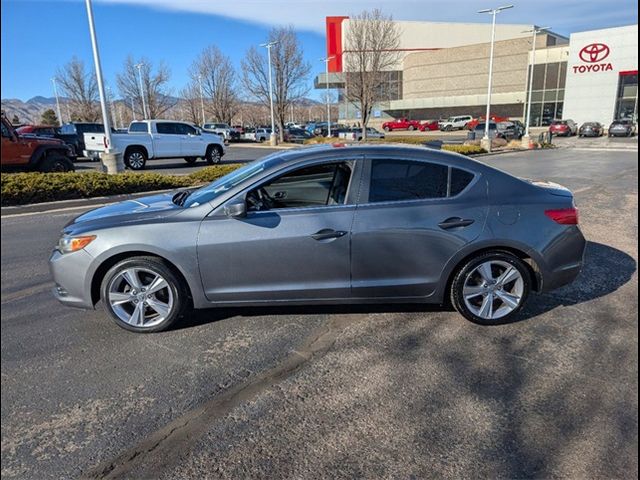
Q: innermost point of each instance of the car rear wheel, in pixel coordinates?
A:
(143, 294)
(56, 163)
(448, 128)
(135, 159)
(491, 288)
(387, 129)
(411, 128)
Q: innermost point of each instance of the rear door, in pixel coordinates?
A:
(413, 216)
(191, 142)
(167, 140)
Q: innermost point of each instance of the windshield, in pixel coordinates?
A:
(226, 183)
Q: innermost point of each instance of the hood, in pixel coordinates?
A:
(149, 208)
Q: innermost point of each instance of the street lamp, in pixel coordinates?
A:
(493, 12)
(535, 31)
(55, 91)
(272, 137)
(111, 108)
(111, 158)
(326, 79)
(144, 103)
(201, 99)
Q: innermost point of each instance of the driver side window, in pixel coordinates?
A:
(315, 186)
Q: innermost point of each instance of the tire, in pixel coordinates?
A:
(387, 129)
(56, 163)
(214, 154)
(261, 140)
(135, 158)
(411, 128)
(479, 307)
(191, 160)
(160, 308)
(448, 128)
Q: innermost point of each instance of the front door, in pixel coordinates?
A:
(415, 215)
(293, 244)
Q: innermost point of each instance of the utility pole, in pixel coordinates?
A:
(526, 139)
(493, 12)
(112, 110)
(326, 79)
(111, 159)
(133, 110)
(272, 137)
(144, 103)
(201, 100)
(55, 91)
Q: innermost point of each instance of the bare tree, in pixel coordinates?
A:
(371, 52)
(218, 77)
(156, 92)
(290, 73)
(81, 88)
(190, 103)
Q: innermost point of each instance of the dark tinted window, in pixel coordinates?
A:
(459, 180)
(68, 129)
(168, 128)
(406, 180)
(90, 128)
(314, 186)
(139, 127)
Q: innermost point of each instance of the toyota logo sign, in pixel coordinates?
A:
(594, 53)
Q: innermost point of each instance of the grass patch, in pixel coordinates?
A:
(35, 187)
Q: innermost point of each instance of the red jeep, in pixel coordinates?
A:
(401, 124)
(33, 153)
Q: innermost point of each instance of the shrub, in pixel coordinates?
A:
(34, 187)
(464, 149)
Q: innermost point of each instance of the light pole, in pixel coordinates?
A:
(55, 91)
(493, 11)
(201, 99)
(144, 103)
(326, 79)
(526, 139)
(272, 137)
(133, 110)
(111, 109)
(111, 159)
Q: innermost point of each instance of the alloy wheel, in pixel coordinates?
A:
(136, 160)
(140, 297)
(493, 289)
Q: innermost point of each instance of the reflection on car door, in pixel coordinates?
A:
(298, 249)
(411, 221)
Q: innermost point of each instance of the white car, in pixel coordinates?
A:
(262, 134)
(154, 139)
(455, 123)
(218, 128)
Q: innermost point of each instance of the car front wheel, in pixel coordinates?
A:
(214, 155)
(143, 294)
(491, 288)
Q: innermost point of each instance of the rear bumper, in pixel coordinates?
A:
(564, 260)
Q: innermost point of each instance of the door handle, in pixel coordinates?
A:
(455, 222)
(328, 234)
(279, 195)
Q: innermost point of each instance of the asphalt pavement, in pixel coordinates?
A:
(336, 392)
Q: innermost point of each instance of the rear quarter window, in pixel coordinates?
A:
(138, 127)
(396, 180)
(460, 179)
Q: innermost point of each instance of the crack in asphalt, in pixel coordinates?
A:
(163, 448)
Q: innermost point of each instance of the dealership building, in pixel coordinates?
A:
(442, 70)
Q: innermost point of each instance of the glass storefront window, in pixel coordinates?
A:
(627, 98)
(551, 82)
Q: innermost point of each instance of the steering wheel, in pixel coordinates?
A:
(260, 200)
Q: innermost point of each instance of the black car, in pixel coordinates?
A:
(73, 134)
(591, 129)
(622, 128)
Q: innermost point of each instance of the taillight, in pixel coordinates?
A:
(563, 216)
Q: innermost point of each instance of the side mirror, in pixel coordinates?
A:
(236, 208)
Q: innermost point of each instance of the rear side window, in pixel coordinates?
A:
(459, 181)
(138, 127)
(393, 180)
(168, 128)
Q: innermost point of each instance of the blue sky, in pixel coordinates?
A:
(38, 36)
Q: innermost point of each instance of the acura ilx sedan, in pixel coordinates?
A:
(326, 225)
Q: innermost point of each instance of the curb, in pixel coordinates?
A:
(263, 146)
(76, 203)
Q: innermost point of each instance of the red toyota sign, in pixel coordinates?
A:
(593, 55)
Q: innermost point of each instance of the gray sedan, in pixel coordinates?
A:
(326, 225)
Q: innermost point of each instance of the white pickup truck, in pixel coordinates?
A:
(153, 139)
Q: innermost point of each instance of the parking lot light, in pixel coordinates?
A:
(55, 91)
(326, 70)
(202, 100)
(144, 103)
(493, 12)
(272, 137)
(526, 139)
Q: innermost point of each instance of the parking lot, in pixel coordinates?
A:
(335, 392)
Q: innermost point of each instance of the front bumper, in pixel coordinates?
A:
(70, 272)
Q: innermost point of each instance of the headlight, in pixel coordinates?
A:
(72, 244)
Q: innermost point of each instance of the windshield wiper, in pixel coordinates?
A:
(180, 197)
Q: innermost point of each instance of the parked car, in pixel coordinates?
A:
(565, 128)
(355, 134)
(221, 129)
(33, 152)
(49, 131)
(519, 128)
(622, 128)
(296, 135)
(495, 118)
(73, 134)
(455, 123)
(401, 124)
(504, 130)
(429, 125)
(415, 225)
(154, 139)
(261, 135)
(591, 129)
